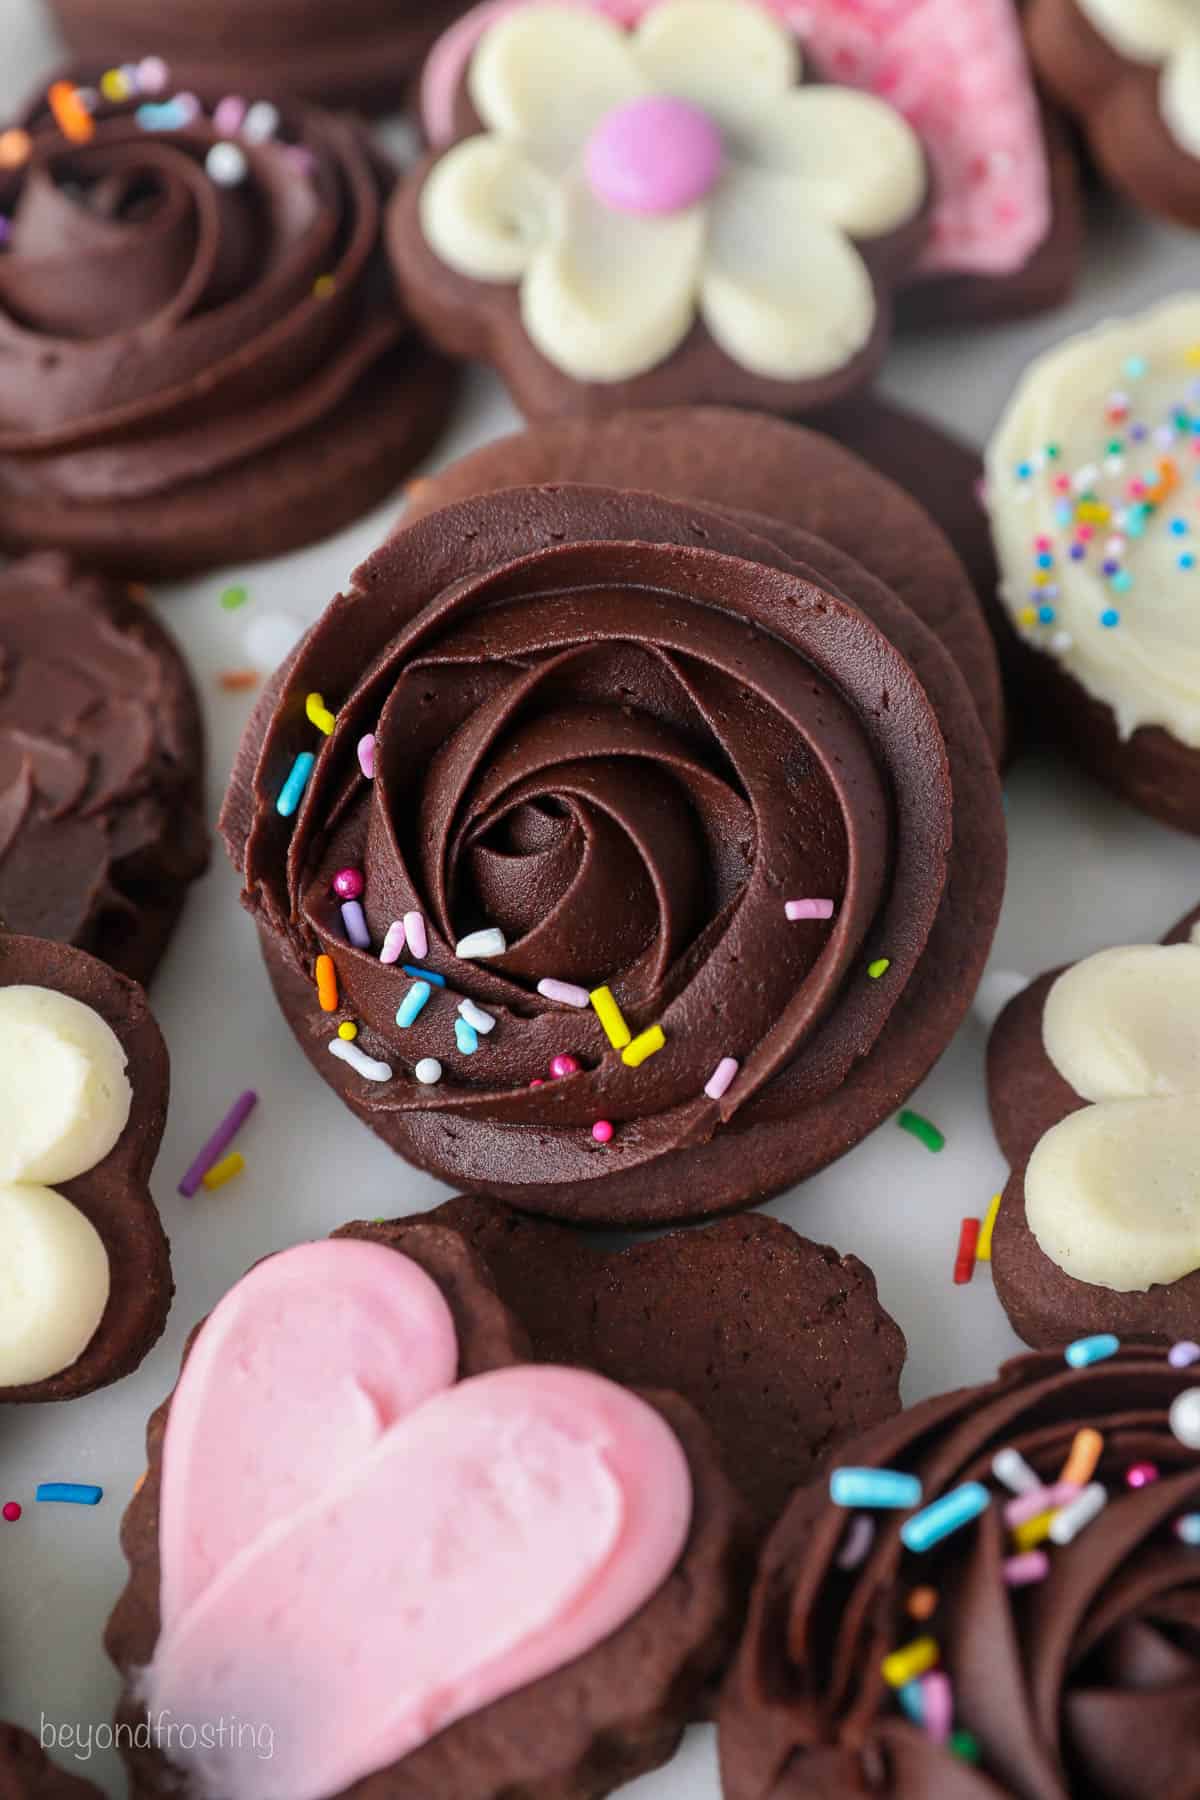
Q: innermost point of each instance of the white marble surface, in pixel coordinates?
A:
(1085, 872)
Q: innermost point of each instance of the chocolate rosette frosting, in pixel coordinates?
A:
(624, 733)
(198, 366)
(1081, 1685)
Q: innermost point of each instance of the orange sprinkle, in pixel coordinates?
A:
(236, 681)
(922, 1603)
(16, 147)
(1080, 1465)
(70, 114)
(140, 1483)
(327, 987)
(416, 490)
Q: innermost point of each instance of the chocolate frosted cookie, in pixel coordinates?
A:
(357, 53)
(85, 1272)
(626, 215)
(1129, 72)
(26, 1772)
(102, 826)
(356, 1463)
(202, 362)
(1089, 477)
(993, 1599)
(649, 857)
(1094, 1084)
(780, 1344)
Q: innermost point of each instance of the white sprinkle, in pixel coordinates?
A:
(226, 165)
(564, 991)
(1184, 1418)
(418, 937)
(366, 1066)
(428, 1071)
(1010, 1468)
(718, 1082)
(1085, 478)
(272, 637)
(1071, 1519)
(478, 945)
(997, 988)
(261, 122)
(393, 943)
(1061, 642)
(476, 1016)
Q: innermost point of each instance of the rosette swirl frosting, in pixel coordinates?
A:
(191, 321)
(625, 733)
(1083, 1684)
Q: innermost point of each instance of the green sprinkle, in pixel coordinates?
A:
(963, 1744)
(921, 1128)
(233, 597)
(879, 967)
(1053, 452)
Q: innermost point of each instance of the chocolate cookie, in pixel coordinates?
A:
(26, 1772)
(1077, 1275)
(1129, 72)
(359, 53)
(780, 1344)
(202, 361)
(102, 826)
(623, 217)
(1088, 479)
(692, 812)
(766, 467)
(85, 1274)
(369, 1401)
(950, 1654)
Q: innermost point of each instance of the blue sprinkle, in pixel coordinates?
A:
(424, 974)
(292, 791)
(1135, 367)
(165, 117)
(912, 1701)
(948, 1514)
(412, 1003)
(1187, 1528)
(1046, 615)
(74, 1493)
(874, 1488)
(1085, 1351)
(1110, 617)
(1122, 581)
(466, 1037)
(1187, 559)
(1045, 559)
(1179, 527)
(1024, 471)
(1064, 512)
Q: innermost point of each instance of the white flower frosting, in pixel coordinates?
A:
(1112, 1193)
(632, 180)
(1093, 480)
(1164, 33)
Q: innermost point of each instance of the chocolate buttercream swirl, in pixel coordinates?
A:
(158, 326)
(1084, 1685)
(625, 733)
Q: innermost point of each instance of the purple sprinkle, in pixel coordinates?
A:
(1023, 1571)
(366, 755)
(859, 1537)
(355, 921)
(228, 115)
(393, 943)
(219, 1142)
(1109, 566)
(187, 106)
(718, 1082)
(564, 991)
(1183, 1354)
(1039, 1500)
(1078, 552)
(5, 228)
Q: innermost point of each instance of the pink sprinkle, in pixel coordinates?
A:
(1062, 484)
(418, 937)
(1141, 1475)
(1039, 1500)
(152, 75)
(1043, 543)
(563, 1065)
(348, 884)
(718, 1082)
(366, 755)
(937, 1705)
(860, 1535)
(808, 909)
(187, 106)
(565, 991)
(537, 1082)
(393, 943)
(228, 114)
(602, 1131)
(11, 1511)
(1022, 1571)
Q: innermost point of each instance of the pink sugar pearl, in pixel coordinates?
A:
(348, 884)
(563, 1065)
(655, 155)
(602, 1131)
(12, 1511)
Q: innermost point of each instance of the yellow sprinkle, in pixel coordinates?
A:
(1192, 356)
(114, 85)
(922, 1603)
(611, 1017)
(1093, 512)
(323, 286)
(225, 1170)
(906, 1665)
(348, 1030)
(1043, 578)
(319, 714)
(646, 1043)
(879, 967)
(983, 1249)
(1080, 1465)
(1034, 1531)
(1027, 616)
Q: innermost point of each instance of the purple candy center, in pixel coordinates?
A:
(656, 155)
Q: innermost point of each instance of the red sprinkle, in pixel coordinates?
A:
(602, 1131)
(964, 1262)
(11, 1511)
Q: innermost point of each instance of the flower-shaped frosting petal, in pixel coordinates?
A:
(1165, 32)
